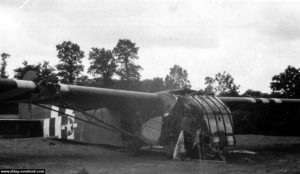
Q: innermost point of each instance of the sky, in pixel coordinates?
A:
(251, 40)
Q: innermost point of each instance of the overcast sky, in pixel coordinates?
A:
(251, 40)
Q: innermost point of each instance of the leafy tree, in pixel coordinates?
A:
(209, 82)
(84, 81)
(287, 83)
(4, 56)
(103, 65)
(126, 52)
(222, 85)
(70, 61)
(47, 72)
(43, 71)
(153, 85)
(177, 78)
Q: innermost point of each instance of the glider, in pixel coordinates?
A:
(183, 121)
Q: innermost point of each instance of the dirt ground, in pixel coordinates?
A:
(275, 155)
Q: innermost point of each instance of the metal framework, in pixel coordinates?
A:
(218, 119)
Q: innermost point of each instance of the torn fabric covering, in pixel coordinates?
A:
(151, 130)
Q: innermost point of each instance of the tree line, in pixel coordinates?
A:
(109, 68)
(117, 68)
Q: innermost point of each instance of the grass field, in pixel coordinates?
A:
(275, 155)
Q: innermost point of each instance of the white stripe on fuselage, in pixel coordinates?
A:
(46, 127)
(25, 84)
(54, 111)
(277, 100)
(264, 100)
(252, 100)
